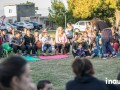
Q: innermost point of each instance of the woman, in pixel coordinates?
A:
(84, 80)
(30, 43)
(11, 36)
(61, 41)
(1, 49)
(4, 36)
(69, 32)
(15, 74)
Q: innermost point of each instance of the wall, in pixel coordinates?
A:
(25, 11)
(10, 11)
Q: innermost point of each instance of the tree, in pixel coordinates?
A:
(84, 8)
(70, 17)
(87, 9)
(57, 12)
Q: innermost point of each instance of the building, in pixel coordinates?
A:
(15, 12)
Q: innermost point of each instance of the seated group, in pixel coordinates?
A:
(29, 43)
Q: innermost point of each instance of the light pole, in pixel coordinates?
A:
(65, 20)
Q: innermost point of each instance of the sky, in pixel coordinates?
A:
(41, 4)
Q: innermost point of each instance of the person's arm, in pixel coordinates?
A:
(14, 43)
(22, 42)
(65, 38)
(57, 39)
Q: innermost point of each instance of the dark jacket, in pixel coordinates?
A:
(87, 82)
(100, 25)
(29, 40)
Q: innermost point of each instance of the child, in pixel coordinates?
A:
(116, 46)
(95, 51)
(80, 51)
(44, 85)
(46, 41)
(18, 43)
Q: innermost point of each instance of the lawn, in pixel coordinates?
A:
(59, 71)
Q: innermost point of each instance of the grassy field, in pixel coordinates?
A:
(59, 71)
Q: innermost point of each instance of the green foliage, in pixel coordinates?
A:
(118, 4)
(57, 12)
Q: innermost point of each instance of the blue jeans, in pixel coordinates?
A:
(105, 44)
(47, 46)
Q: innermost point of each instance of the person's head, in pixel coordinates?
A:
(36, 34)
(80, 45)
(118, 77)
(44, 85)
(28, 32)
(4, 32)
(18, 34)
(44, 32)
(15, 73)
(69, 25)
(94, 44)
(82, 67)
(25, 30)
(59, 31)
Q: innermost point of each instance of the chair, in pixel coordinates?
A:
(6, 49)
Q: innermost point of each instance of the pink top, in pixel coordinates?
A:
(62, 39)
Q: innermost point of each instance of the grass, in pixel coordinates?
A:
(59, 72)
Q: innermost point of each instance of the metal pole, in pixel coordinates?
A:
(65, 20)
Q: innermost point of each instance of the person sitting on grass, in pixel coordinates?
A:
(61, 41)
(18, 43)
(95, 52)
(30, 43)
(46, 41)
(1, 48)
(84, 80)
(44, 85)
(80, 51)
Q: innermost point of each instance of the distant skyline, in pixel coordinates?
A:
(41, 4)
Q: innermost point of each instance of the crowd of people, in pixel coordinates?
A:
(98, 40)
(15, 75)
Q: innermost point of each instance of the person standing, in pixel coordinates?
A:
(106, 36)
(69, 32)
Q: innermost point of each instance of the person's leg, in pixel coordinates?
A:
(104, 43)
(111, 48)
(1, 50)
(44, 48)
(22, 48)
(74, 54)
(67, 47)
(28, 47)
(34, 49)
(59, 48)
(49, 48)
(15, 48)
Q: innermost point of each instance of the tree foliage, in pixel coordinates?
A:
(86, 9)
(57, 12)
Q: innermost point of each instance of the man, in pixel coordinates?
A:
(18, 43)
(106, 36)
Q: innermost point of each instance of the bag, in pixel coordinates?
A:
(39, 44)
